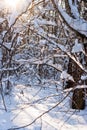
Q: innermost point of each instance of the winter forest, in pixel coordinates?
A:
(43, 64)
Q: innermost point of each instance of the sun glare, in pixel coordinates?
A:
(11, 3)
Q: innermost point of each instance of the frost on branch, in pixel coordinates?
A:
(79, 25)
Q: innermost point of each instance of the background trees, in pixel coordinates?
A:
(45, 38)
(43, 44)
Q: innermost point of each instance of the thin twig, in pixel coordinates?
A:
(40, 115)
(3, 97)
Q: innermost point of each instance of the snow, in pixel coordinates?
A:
(78, 47)
(19, 10)
(74, 9)
(79, 25)
(42, 42)
(76, 87)
(39, 22)
(66, 76)
(34, 104)
(12, 18)
(0, 53)
(8, 45)
(1, 20)
(84, 77)
(26, 103)
(81, 86)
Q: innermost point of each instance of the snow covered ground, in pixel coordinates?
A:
(40, 106)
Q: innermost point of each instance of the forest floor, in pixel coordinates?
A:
(41, 106)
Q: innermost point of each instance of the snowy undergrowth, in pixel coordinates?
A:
(27, 102)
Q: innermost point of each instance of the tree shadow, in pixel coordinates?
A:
(19, 114)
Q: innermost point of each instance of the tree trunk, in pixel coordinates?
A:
(78, 101)
(74, 70)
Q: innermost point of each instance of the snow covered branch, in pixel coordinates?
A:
(63, 49)
(74, 9)
(78, 25)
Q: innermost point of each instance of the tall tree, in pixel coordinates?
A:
(74, 17)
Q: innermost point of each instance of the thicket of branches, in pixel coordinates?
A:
(47, 38)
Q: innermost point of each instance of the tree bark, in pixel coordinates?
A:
(78, 101)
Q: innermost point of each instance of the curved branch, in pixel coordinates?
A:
(78, 25)
(74, 9)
